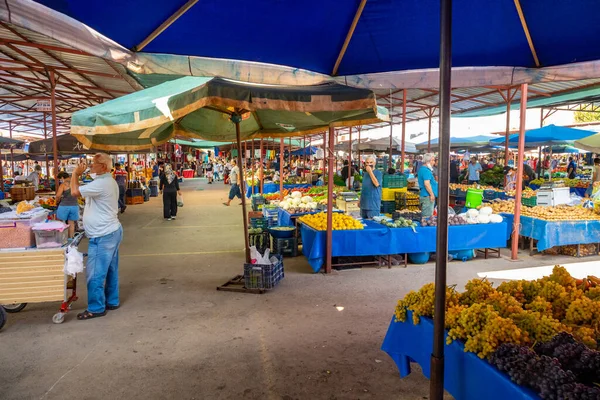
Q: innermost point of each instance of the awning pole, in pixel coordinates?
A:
(290, 154)
(429, 131)
(403, 129)
(236, 119)
(350, 160)
(519, 191)
(507, 134)
(252, 163)
(54, 139)
(12, 156)
(1, 174)
(358, 148)
(304, 158)
(436, 389)
(329, 242)
(390, 164)
(261, 173)
(46, 153)
(281, 169)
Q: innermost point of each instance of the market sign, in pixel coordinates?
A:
(43, 105)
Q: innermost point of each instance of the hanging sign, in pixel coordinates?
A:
(43, 105)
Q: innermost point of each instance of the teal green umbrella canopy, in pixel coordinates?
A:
(199, 107)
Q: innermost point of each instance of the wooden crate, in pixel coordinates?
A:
(22, 193)
(134, 200)
(32, 276)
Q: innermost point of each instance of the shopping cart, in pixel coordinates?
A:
(36, 276)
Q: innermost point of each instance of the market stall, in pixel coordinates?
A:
(377, 239)
(274, 188)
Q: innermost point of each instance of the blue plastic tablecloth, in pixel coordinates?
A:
(274, 187)
(377, 240)
(557, 233)
(578, 191)
(466, 376)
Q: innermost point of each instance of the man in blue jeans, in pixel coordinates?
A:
(428, 186)
(236, 179)
(105, 233)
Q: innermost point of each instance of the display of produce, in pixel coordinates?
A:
(410, 214)
(48, 203)
(340, 221)
(519, 312)
(24, 206)
(399, 223)
(255, 230)
(492, 177)
(547, 213)
(452, 220)
(297, 203)
(585, 250)
(546, 375)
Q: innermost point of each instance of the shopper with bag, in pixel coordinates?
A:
(169, 187)
(105, 233)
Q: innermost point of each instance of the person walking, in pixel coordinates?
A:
(370, 195)
(120, 176)
(235, 178)
(68, 208)
(169, 188)
(428, 186)
(105, 234)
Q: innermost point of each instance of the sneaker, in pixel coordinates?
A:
(167, 219)
(173, 217)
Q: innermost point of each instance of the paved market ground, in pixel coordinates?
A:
(176, 337)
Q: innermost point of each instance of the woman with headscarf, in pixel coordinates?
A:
(169, 187)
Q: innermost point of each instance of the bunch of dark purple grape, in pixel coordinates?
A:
(542, 374)
(573, 356)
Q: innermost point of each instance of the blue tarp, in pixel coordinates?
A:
(393, 35)
(557, 233)
(466, 376)
(274, 187)
(377, 239)
(543, 136)
(307, 151)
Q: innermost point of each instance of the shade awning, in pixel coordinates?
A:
(67, 144)
(470, 142)
(551, 134)
(199, 107)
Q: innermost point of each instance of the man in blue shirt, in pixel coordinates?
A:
(474, 170)
(571, 168)
(428, 186)
(370, 195)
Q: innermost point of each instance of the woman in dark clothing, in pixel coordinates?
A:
(169, 187)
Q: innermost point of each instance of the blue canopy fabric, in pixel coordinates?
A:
(562, 150)
(391, 35)
(550, 134)
(307, 151)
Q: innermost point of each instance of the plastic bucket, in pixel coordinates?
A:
(474, 198)
(418, 258)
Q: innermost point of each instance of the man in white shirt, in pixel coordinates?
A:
(105, 233)
(236, 179)
(34, 177)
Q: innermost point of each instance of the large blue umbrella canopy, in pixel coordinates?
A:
(307, 151)
(550, 134)
(390, 35)
(562, 150)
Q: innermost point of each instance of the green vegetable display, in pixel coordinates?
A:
(400, 223)
(492, 177)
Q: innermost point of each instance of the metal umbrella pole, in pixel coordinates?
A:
(236, 119)
(436, 389)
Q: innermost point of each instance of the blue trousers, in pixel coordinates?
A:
(103, 271)
(121, 196)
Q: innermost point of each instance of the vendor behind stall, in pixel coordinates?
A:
(370, 196)
(428, 186)
(511, 178)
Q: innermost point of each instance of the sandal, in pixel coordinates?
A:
(88, 315)
(225, 204)
(112, 308)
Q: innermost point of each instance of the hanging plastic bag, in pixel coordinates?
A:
(179, 200)
(73, 262)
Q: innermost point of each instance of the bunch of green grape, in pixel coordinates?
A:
(539, 327)
(561, 276)
(583, 312)
(551, 290)
(483, 330)
(476, 291)
(504, 304)
(522, 290)
(587, 335)
(421, 303)
(540, 305)
(593, 293)
(562, 303)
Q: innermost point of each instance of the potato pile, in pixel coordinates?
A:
(557, 213)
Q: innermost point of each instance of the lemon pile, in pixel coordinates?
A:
(340, 221)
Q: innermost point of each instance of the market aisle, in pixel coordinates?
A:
(177, 337)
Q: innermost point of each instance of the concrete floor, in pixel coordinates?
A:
(176, 337)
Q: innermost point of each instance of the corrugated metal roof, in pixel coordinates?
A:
(82, 80)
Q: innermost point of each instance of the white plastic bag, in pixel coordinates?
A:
(179, 200)
(73, 262)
